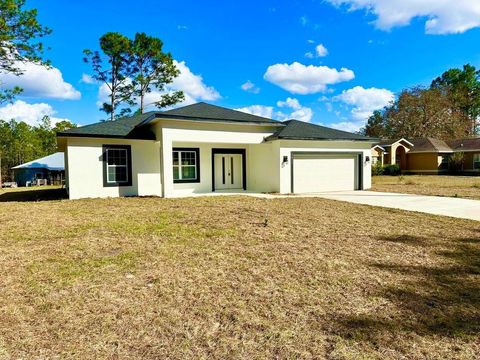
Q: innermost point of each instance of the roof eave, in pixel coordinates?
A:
(208, 120)
(316, 139)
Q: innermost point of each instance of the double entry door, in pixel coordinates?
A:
(228, 171)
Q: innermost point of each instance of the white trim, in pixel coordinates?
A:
(467, 151)
(180, 166)
(117, 166)
(401, 139)
(213, 121)
(380, 148)
(430, 152)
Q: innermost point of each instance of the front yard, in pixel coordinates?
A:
(438, 185)
(235, 277)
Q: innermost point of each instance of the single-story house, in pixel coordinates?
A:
(203, 148)
(392, 152)
(471, 153)
(427, 155)
(50, 169)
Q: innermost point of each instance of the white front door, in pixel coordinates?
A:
(228, 171)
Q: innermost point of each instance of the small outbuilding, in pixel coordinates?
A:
(48, 170)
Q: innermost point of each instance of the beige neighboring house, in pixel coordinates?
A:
(392, 152)
(203, 148)
(427, 155)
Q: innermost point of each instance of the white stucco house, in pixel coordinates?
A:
(202, 148)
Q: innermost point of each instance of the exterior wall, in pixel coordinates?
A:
(468, 162)
(85, 168)
(288, 146)
(65, 154)
(209, 136)
(427, 162)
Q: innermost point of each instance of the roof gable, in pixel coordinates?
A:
(300, 130)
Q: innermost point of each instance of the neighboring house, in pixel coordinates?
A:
(471, 153)
(427, 155)
(202, 148)
(394, 152)
(50, 168)
(378, 154)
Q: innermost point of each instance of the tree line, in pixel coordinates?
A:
(129, 68)
(447, 109)
(20, 142)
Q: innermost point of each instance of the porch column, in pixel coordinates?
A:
(167, 165)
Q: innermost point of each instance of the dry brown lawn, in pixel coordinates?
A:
(439, 185)
(235, 277)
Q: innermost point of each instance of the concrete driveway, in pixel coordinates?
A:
(455, 207)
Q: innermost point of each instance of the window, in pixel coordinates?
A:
(476, 161)
(375, 159)
(186, 165)
(117, 165)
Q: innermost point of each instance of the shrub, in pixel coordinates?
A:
(392, 170)
(377, 169)
(455, 163)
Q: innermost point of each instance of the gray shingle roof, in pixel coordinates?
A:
(204, 111)
(132, 126)
(300, 130)
(121, 128)
(135, 127)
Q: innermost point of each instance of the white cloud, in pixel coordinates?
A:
(309, 55)
(303, 20)
(365, 101)
(350, 126)
(40, 81)
(298, 112)
(310, 41)
(191, 84)
(258, 110)
(29, 113)
(250, 87)
(441, 16)
(87, 79)
(321, 50)
(301, 79)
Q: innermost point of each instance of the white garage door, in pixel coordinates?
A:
(319, 173)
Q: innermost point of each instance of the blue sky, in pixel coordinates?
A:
(370, 50)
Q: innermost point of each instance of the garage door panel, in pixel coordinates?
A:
(320, 173)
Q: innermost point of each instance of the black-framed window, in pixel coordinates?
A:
(476, 161)
(117, 165)
(186, 165)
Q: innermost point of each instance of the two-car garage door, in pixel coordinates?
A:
(316, 172)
